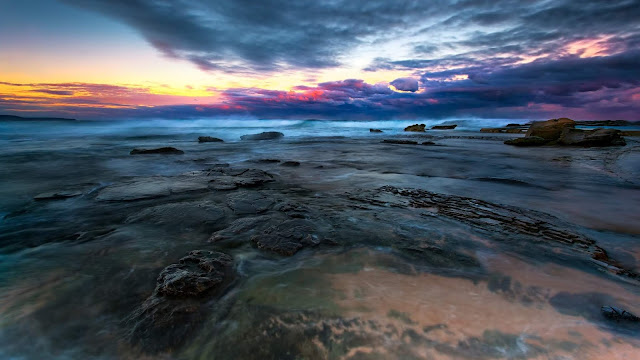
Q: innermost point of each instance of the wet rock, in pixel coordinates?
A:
(492, 130)
(527, 141)
(249, 203)
(291, 163)
(515, 125)
(551, 129)
(287, 238)
(163, 150)
(428, 143)
(194, 275)
(444, 127)
(617, 314)
(416, 128)
(587, 138)
(240, 226)
(268, 135)
(226, 178)
(630, 133)
(57, 195)
(401, 142)
(496, 218)
(178, 303)
(292, 209)
(206, 139)
(182, 215)
(135, 190)
(606, 123)
(505, 130)
(375, 130)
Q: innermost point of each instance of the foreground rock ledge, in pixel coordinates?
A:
(177, 304)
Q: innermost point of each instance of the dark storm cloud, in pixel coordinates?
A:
(276, 34)
(266, 35)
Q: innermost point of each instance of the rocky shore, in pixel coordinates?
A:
(327, 248)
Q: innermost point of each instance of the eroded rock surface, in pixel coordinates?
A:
(288, 237)
(176, 306)
(497, 219)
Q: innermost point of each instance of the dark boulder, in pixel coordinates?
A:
(287, 238)
(416, 128)
(550, 129)
(375, 130)
(163, 150)
(205, 139)
(443, 127)
(268, 135)
(179, 301)
(527, 141)
(402, 142)
(597, 137)
(630, 133)
(428, 143)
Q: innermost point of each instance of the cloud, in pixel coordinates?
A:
(230, 35)
(406, 84)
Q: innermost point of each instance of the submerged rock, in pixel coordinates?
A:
(240, 226)
(267, 161)
(375, 130)
(151, 187)
(57, 195)
(291, 163)
(268, 135)
(231, 178)
(444, 127)
(551, 129)
(287, 238)
(527, 141)
(163, 150)
(597, 137)
(402, 142)
(416, 128)
(205, 139)
(249, 203)
(177, 304)
(614, 313)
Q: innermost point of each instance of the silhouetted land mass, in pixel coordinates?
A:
(21, 118)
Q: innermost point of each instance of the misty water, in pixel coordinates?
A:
(466, 249)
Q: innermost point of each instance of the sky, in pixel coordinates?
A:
(331, 59)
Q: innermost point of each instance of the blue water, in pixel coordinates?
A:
(229, 130)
